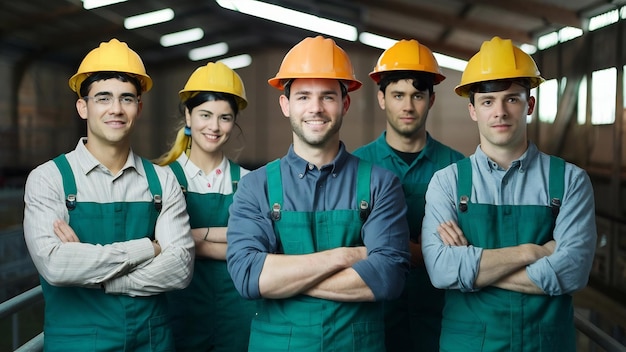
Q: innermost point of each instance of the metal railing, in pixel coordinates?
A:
(19, 302)
(35, 295)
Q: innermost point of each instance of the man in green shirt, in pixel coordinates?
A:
(406, 74)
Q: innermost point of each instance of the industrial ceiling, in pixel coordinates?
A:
(63, 31)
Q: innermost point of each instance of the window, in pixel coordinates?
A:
(582, 101)
(548, 98)
(603, 92)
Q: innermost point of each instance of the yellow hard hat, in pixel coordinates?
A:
(407, 55)
(215, 77)
(498, 59)
(316, 58)
(112, 56)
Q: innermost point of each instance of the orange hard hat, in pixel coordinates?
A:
(407, 55)
(113, 56)
(316, 58)
(498, 59)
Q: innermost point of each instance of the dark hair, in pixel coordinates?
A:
(104, 75)
(287, 88)
(203, 97)
(421, 80)
(497, 85)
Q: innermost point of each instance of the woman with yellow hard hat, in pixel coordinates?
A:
(209, 314)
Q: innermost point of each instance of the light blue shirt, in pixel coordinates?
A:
(524, 183)
(306, 188)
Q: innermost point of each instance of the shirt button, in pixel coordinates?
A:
(311, 166)
(301, 175)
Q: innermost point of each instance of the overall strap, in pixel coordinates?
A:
(464, 182)
(69, 182)
(274, 188)
(235, 174)
(363, 182)
(556, 186)
(177, 168)
(153, 184)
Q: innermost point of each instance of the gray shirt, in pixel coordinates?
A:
(128, 268)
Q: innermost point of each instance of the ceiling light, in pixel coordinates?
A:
(291, 17)
(92, 4)
(450, 62)
(380, 42)
(208, 51)
(376, 41)
(149, 18)
(528, 48)
(187, 36)
(239, 61)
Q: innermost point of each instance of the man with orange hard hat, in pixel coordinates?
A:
(107, 230)
(319, 235)
(406, 74)
(510, 231)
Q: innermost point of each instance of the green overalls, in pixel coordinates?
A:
(494, 319)
(413, 320)
(210, 315)
(86, 319)
(303, 323)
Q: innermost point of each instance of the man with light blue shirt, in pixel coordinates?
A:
(510, 231)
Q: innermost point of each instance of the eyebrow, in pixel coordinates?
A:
(111, 94)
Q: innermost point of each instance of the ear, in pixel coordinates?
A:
(472, 111)
(187, 117)
(346, 104)
(139, 108)
(531, 105)
(284, 104)
(381, 99)
(431, 101)
(81, 107)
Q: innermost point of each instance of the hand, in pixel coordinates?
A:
(451, 234)
(64, 232)
(549, 247)
(157, 247)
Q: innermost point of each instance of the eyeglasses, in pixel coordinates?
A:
(106, 100)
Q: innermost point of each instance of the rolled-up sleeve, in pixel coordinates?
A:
(567, 269)
(386, 236)
(449, 267)
(250, 234)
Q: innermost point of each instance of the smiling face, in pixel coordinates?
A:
(501, 119)
(315, 109)
(406, 109)
(211, 125)
(109, 121)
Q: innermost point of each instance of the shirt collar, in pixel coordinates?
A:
(520, 163)
(88, 162)
(301, 166)
(191, 170)
(428, 151)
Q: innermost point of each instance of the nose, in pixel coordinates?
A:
(316, 105)
(500, 109)
(213, 123)
(116, 106)
(407, 104)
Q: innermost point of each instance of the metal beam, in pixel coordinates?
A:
(549, 13)
(456, 22)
